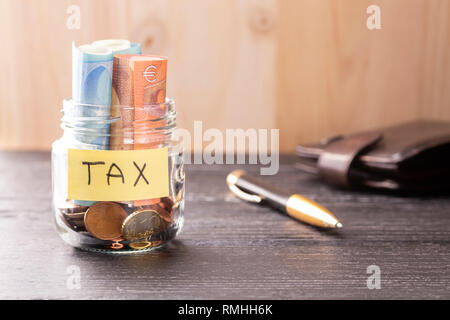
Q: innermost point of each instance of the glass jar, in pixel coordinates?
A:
(118, 181)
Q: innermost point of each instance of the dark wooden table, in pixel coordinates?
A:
(230, 249)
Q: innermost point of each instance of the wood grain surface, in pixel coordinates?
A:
(230, 249)
(310, 68)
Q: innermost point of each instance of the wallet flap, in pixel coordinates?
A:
(405, 141)
(336, 158)
(399, 143)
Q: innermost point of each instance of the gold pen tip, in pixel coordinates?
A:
(338, 225)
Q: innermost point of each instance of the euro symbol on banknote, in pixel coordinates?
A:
(150, 73)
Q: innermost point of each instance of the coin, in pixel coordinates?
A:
(75, 221)
(104, 220)
(167, 203)
(156, 243)
(142, 224)
(165, 214)
(140, 245)
(73, 215)
(116, 244)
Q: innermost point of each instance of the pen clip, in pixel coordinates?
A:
(231, 182)
(243, 195)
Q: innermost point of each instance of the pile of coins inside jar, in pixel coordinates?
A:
(120, 224)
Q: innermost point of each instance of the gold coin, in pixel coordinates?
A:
(140, 245)
(104, 220)
(142, 224)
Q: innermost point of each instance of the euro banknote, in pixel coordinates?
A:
(89, 111)
(139, 83)
(139, 86)
(92, 84)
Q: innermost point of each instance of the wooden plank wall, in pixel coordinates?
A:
(310, 68)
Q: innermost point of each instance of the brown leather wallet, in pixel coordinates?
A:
(413, 156)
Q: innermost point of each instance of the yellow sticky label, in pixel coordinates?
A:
(118, 175)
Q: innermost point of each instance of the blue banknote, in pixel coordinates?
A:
(91, 75)
(87, 116)
(91, 87)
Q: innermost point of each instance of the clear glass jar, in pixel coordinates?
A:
(117, 224)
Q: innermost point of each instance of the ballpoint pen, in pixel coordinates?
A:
(251, 189)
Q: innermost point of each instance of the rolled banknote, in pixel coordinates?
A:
(89, 111)
(121, 108)
(138, 89)
(91, 75)
(153, 84)
(92, 66)
(91, 93)
(92, 84)
(139, 86)
(121, 105)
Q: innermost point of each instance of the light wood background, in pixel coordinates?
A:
(310, 68)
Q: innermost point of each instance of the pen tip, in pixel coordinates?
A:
(338, 225)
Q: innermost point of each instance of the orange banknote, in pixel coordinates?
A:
(122, 106)
(139, 90)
